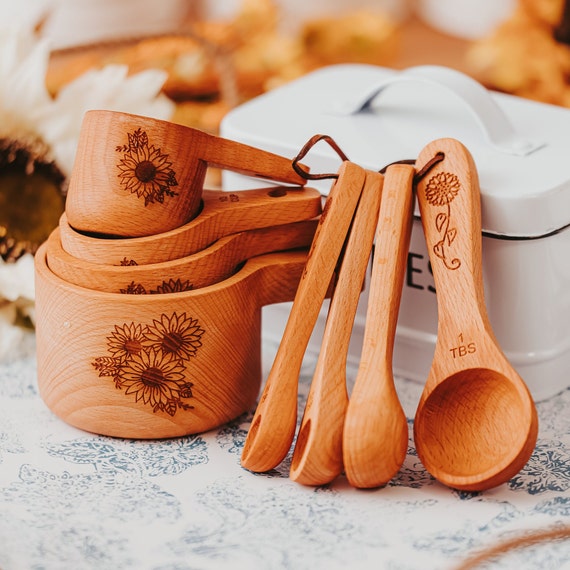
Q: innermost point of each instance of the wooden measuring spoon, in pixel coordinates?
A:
(317, 458)
(208, 266)
(375, 436)
(222, 214)
(274, 422)
(476, 423)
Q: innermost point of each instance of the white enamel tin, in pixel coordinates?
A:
(521, 149)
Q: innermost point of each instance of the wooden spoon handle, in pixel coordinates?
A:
(449, 202)
(388, 267)
(274, 422)
(317, 458)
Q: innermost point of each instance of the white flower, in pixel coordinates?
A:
(45, 129)
(109, 88)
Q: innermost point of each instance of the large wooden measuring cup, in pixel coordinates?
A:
(476, 423)
(154, 366)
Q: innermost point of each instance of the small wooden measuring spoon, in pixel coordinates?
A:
(274, 422)
(375, 436)
(476, 423)
(317, 458)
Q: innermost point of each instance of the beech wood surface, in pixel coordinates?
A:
(317, 458)
(137, 176)
(476, 423)
(80, 331)
(201, 269)
(375, 435)
(222, 214)
(273, 426)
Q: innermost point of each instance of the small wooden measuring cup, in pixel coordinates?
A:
(476, 424)
(155, 366)
(137, 176)
(208, 266)
(222, 214)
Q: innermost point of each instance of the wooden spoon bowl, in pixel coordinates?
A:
(467, 408)
(476, 423)
(222, 214)
(155, 366)
(137, 176)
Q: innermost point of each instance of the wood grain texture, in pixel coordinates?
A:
(222, 214)
(273, 426)
(137, 176)
(206, 267)
(317, 458)
(375, 436)
(155, 366)
(476, 423)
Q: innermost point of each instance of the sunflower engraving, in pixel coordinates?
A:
(172, 286)
(176, 334)
(126, 341)
(133, 289)
(145, 170)
(440, 191)
(157, 380)
(149, 361)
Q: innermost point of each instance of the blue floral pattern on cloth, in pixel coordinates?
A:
(74, 500)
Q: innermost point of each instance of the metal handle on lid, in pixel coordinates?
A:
(489, 115)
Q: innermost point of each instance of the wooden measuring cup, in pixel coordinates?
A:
(222, 214)
(137, 176)
(155, 366)
(208, 266)
(476, 423)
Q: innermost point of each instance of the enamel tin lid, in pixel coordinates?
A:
(378, 116)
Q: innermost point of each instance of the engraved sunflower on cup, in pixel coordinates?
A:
(178, 334)
(145, 170)
(126, 341)
(156, 379)
(440, 191)
(150, 362)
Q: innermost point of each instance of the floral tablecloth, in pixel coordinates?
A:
(70, 499)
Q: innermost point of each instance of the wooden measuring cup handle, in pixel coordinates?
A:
(245, 159)
(449, 202)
